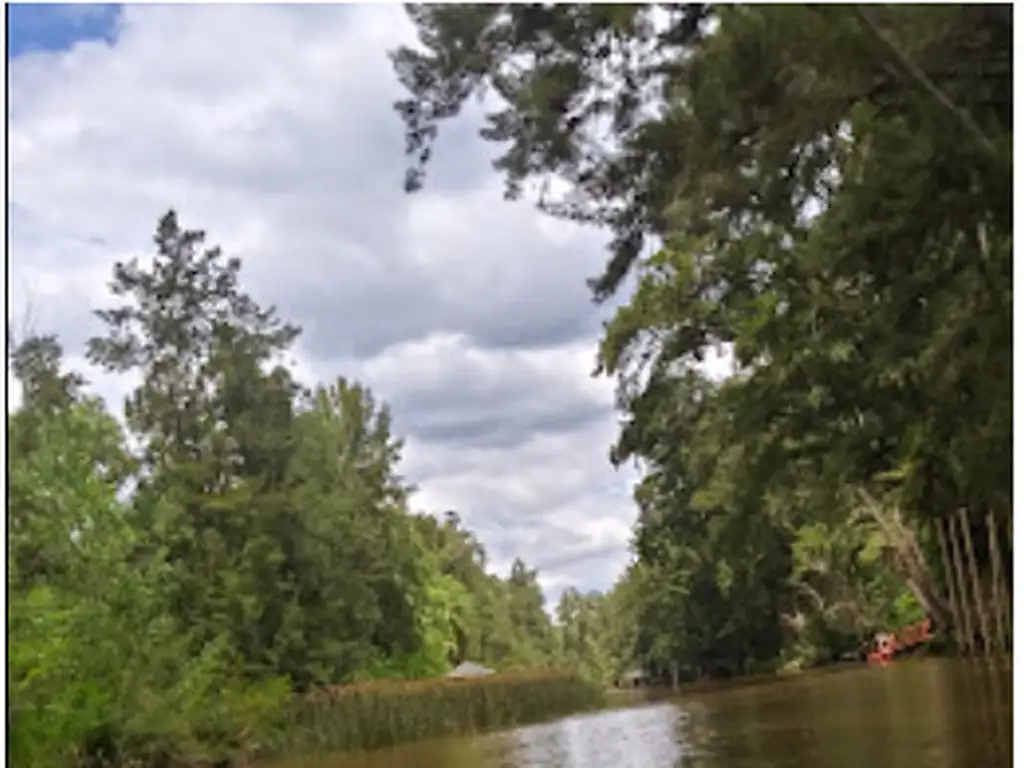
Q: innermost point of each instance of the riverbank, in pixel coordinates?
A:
(948, 710)
(619, 697)
(627, 697)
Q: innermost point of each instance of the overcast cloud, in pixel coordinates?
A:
(272, 129)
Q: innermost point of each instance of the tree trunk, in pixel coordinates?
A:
(910, 560)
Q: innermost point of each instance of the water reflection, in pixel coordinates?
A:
(632, 738)
(938, 714)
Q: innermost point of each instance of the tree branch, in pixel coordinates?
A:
(921, 77)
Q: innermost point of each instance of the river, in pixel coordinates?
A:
(932, 713)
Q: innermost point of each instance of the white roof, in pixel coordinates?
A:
(469, 669)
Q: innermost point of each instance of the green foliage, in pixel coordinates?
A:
(96, 668)
(54, 707)
(829, 194)
(174, 587)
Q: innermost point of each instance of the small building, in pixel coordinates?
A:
(469, 669)
(634, 678)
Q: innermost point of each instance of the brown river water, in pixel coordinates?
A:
(934, 713)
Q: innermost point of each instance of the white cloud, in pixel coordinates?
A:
(272, 128)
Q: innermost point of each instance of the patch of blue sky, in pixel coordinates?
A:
(58, 27)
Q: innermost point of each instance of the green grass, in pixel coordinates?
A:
(384, 713)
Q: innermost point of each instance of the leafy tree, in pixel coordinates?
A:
(202, 415)
(244, 539)
(353, 561)
(97, 669)
(44, 532)
(828, 195)
(531, 625)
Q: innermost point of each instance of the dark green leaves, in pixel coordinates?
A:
(829, 194)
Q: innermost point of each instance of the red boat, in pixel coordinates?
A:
(886, 645)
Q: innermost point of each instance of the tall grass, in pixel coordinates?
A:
(378, 714)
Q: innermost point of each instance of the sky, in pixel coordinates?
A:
(271, 128)
(57, 27)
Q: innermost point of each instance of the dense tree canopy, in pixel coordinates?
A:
(827, 190)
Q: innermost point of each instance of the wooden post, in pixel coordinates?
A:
(954, 602)
(972, 564)
(1009, 597)
(958, 565)
(998, 587)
